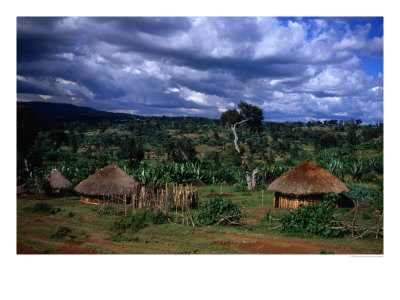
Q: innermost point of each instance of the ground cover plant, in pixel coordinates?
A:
(314, 219)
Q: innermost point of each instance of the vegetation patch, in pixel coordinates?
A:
(136, 222)
(62, 233)
(43, 208)
(326, 251)
(314, 219)
(218, 211)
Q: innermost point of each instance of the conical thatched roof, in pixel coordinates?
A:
(109, 181)
(307, 178)
(198, 182)
(58, 181)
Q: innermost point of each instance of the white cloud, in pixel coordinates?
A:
(45, 97)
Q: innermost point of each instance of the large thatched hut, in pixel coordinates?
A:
(304, 184)
(58, 182)
(109, 184)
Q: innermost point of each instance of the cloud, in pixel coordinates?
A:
(295, 68)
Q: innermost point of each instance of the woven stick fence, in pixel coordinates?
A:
(166, 197)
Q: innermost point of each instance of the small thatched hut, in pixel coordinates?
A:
(198, 182)
(21, 189)
(58, 182)
(304, 184)
(108, 184)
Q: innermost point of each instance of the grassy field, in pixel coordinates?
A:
(91, 233)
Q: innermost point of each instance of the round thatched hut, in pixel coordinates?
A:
(304, 184)
(198, 182)
(21, 189)
(58, 182)
(108, 184)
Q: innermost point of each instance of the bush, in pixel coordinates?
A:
(46, 187)
(326, 251)
(62, 232)
(359, 194)
(139, 220)
(215, 209)
(313, 218)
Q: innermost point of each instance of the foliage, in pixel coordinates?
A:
(62, 232)
(179, 150)
(326, 251)
(139, 220)
(81, 147)
(231, 116)
(215, 209)
(252, 113)
(133, 152)
(46, 187)
(313, 218)
(26, 128)
(359, 194)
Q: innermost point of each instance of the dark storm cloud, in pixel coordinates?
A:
(203, 66)
(152, 25)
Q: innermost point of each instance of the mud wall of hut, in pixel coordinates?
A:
(294, 201)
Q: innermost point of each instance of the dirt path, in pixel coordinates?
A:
(24, 249)
(274, 245)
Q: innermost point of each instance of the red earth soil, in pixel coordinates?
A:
(219, 195)
(271, 245)
(24, 249)
(34, 197)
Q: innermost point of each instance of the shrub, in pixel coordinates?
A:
(139, 220)
(62, 232)
(313, 218)
(359, 194)
(215, 209)
(70, 214)
(46, 187)
(326, 251)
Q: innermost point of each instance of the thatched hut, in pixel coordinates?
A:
(109, 184)
(304, 184)
(21, 189)
(198, 182)
(57, 181)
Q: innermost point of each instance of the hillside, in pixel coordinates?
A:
(66, 111)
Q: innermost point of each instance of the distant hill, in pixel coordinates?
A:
(46, 110)
(53, 115)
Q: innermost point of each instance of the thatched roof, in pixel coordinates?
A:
(21, 189)
(58, 181)
(198, 182)
(109, 181)
(307, 178)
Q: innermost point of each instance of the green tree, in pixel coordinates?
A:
(253, 116)
(180, 150)
(328, 140)
(26, 133)
(133, 152)
(58, 137)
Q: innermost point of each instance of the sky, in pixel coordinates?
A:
(295, 69)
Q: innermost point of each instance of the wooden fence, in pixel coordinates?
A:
(165, 198)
